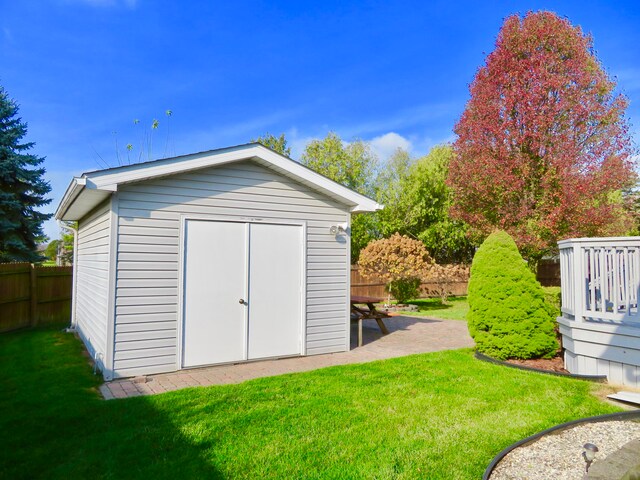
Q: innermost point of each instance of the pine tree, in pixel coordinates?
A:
(22, 188)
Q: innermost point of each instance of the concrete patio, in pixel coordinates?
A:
(408, 335)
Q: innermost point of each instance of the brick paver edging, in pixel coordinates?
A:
(408, 336)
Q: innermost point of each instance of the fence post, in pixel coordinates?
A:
(33, 290)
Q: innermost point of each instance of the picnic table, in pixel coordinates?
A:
(360, 312)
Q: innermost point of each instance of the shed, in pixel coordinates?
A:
(216, 257)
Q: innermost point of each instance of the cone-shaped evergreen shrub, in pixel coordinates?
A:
(508, 316)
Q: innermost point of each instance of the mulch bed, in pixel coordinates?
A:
(555, 364)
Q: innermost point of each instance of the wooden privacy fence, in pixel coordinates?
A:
(33, 295)
(374, 287)
(548, 275)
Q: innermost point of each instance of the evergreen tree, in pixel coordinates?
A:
(508, 316)
(22, 188)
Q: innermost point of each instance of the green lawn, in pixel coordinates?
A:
(457, 307)
(437, 416)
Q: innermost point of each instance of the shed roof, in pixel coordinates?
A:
(90, 189)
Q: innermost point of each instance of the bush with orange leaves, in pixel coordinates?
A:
(401, 262)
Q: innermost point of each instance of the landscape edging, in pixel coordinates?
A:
(590, 378)
(563, 426)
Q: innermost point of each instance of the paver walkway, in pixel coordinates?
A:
(408, 335)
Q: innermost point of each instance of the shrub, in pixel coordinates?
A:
(508, 315)
(401, 262)
(553, 297)
(404, 289)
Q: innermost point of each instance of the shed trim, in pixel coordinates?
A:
(180, 312)
(347, 266)
(181, 273)
(86, 191)
(109, 365)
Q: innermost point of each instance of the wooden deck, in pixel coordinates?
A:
(600, 322)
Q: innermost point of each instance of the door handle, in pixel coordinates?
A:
(242, 302)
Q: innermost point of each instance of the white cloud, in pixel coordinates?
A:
(405, 118)
(298, 145)
(422, 145)
(298, 142)
(385, 145)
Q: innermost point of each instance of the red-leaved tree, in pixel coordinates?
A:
(543, 147)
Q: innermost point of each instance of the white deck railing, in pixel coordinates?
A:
(600, 278)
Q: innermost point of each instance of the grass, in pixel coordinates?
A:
(457, 307)
(439, 416)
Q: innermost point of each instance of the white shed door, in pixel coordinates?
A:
(275, 288)
(214, 282)
(226, 262)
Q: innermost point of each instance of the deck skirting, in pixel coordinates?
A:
(599, 348)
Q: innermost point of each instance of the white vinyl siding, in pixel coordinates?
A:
(92, 269)
(149, 213)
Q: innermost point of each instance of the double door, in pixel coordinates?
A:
(242, 291)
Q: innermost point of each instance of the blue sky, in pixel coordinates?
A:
(393, 73)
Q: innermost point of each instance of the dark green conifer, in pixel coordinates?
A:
(22, 188)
